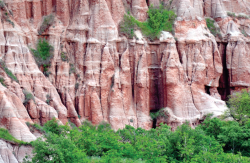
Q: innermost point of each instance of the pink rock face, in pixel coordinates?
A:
(107, 77)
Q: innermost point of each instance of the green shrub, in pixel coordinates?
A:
(76, 86)
(214, 30)
(2, 4)
(128, 25)
(159, 19)
(47, 21)
(8, 72)
(239, 107)
(28, 96)
(48, 99)
(2, 82)
(72, 68)
(158, 114)
(232, 14)
(64, 57)
(243, 16)
(43, 54)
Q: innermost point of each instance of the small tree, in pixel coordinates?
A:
(43, 54)
(238, 107)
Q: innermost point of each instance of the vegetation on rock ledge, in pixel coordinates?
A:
(5, 135)
(159, 19)
(43, 54)
(8, 72)
(214, 30)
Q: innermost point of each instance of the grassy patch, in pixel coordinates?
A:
(28, 96)
(244, 32)
(8, 72)
(2, 82)
(5, 135)
(214, 30)
(232, 14)
(47, 21)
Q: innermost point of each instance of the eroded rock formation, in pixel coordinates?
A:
(107, 77)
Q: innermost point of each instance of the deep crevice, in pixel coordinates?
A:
(224, 87)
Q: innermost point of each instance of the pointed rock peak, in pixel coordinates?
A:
(218, 9)
(102, 26)
(187, 10)
(232, 29)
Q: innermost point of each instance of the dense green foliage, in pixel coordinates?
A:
(128, 25)
(213, 141)
(159, 19)
(214, 30)
(5, 135)
(43, 54)
(239, 107)
(8, 72)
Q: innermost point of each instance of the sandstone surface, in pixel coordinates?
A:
(108, 77)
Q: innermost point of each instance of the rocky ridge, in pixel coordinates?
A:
(108, 77)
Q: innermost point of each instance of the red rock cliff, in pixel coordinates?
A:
(111, 78)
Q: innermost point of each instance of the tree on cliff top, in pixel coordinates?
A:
(159, 19)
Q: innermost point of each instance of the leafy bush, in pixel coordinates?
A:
(128, 25)
(72, 68)
(158, 114)
(214, 30)
(64, 57)
(159, 19)
(2, 82)
(239, 107)
(48, 99)
(28, 96)
(8, 72)
(47, 21)
(43, 52)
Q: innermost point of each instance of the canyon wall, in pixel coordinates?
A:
(108, 77)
